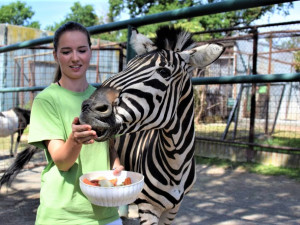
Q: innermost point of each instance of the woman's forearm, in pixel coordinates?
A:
(64, 154)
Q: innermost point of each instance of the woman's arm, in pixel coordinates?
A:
(114, 158)
(65, 153)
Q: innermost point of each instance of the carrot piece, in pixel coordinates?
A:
(86, 181)
(127, 181)
(114, 181)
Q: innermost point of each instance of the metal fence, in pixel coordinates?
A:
(35, 68)
(261, 116)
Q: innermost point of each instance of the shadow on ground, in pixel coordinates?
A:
(219, 197)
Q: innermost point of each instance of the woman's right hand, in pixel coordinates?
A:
(82, 134)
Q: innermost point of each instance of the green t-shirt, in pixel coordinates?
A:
(61, 200)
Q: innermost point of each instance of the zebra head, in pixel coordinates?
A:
(146, 94)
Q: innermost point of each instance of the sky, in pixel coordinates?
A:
(47, 12)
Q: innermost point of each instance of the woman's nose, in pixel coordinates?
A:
(74, 56)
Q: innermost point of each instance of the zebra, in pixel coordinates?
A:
(14, 120)
(148, 110)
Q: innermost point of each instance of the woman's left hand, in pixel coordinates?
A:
(118, 169)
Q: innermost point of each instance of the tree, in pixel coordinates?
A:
(82, 14)
(297, 61)
(17, 13)
(86, 16)
(141, 7)
(210, 22)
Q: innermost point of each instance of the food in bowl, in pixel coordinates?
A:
(103, 182)
(111, 189)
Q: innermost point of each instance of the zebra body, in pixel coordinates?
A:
(9, 123)
(12, 121)
(150, 104)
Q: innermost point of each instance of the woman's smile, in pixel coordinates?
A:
(75, 68)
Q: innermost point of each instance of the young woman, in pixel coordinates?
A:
(70, 148)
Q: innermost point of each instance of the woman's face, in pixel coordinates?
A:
(73, 54)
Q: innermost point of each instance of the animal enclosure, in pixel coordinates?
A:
(223, 112)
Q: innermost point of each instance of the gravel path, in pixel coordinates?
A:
(219, 197)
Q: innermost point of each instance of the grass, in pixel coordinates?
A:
(293, 173)
(5, 142)
(285, 138)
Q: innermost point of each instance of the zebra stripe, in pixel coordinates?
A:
(154, 114)
(161, 140)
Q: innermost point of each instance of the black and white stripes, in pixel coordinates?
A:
(154, 119)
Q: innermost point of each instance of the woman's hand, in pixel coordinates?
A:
(118, 169)
(65, 153)
(82, 134)
(114, 159)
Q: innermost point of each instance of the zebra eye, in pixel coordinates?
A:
(164, 72)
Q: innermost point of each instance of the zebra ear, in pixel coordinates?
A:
(202, 56)
(140, 43)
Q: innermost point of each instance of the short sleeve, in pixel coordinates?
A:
(45, 123)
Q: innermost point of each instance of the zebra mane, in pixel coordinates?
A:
(174, 39)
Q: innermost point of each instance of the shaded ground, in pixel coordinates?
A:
(219, 197)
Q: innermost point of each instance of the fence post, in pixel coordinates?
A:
(250, 152)
(130, 52)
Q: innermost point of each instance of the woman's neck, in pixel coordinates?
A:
(73, 85)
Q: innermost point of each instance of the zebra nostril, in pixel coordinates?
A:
(104, 109)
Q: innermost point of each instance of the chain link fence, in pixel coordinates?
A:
(223, 113)
(35, 68)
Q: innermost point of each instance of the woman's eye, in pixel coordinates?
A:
(82, 51)
(65, 53)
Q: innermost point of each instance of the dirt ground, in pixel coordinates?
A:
(219, 197)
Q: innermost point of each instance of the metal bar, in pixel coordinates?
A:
(278, 108)
(265, 78)
(285, 77)
(246, 27)
(286, 148)
(250, 151)
(232, 113)
(130, 51)
(195, 11)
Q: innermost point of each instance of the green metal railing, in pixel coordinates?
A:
(267, 78)
(195, 11)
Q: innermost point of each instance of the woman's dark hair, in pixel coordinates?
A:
(69, 26)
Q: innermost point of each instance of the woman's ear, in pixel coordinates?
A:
(55, 56)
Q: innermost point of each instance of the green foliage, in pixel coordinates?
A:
(297, 61)
(82, 14)
(17, 13)
(210, 22)
(141, 7)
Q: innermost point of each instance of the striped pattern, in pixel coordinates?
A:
(155, 110)
(150, 104)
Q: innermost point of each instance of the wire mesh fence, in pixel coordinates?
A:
(222, 112)
(226, 113)
(36, 67)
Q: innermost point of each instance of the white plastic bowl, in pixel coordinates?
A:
(112, 196)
